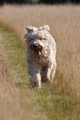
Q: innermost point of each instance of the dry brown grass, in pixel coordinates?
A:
(64, 22)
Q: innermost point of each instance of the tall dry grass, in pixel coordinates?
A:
(8, 104)
(64, 22)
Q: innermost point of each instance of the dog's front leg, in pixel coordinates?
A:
(38, 80)
(35, 79)
(35, 76)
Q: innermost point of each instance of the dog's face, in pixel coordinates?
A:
(37, 38)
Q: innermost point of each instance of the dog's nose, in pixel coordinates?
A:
(35, 45)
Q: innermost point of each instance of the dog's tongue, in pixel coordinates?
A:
(39, 52)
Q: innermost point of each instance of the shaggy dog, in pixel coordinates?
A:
(41, 54)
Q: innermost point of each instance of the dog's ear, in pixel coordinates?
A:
(29, 28)
(25, 36)
(46, 27)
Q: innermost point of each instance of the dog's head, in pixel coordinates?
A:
(37, 38)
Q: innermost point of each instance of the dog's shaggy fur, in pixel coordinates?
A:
(41, 54)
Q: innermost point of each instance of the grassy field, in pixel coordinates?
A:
(60, 100)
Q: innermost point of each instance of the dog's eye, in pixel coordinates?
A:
(44, 39)
(31, 39)
(41, 38)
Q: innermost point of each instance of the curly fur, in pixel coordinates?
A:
(41, 54)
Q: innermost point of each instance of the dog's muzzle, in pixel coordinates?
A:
(37, 48)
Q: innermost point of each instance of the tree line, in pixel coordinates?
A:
(39, 1)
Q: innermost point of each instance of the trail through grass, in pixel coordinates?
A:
(51, 102)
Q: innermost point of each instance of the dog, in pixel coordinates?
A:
(40, 55)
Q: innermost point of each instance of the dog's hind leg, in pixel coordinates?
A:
(53, 73)
(46, 74)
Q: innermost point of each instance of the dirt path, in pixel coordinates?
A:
(10, 108)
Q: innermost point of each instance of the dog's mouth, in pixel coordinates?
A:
(36, 48)
(38, 51)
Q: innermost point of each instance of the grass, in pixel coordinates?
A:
(54, 101)
(60, 100)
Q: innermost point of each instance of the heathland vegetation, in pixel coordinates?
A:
(61, 100)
